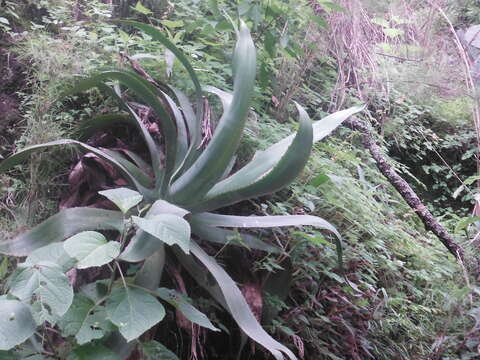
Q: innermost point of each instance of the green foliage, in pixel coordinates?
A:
(173, 193)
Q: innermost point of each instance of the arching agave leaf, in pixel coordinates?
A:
(227, 293)
(223, 236)
(225, 97)
(241, 185)
(23, 155)
(61, 226)
(149, 95)
(231, 221)
(211, 164)
(257, 181)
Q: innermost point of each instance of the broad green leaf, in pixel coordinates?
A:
(238, 307)
(54, 253)
(16, 323)
(255, 181)
(92, 351)
(133, 311)
(60, 226)
(211, 164)
(42, 313)
(171, 229)
(143, 245)
(91, 249)
(85, 321)
(164, 207)
(153, 350)
(124, 198)
(181, 304)
(47, 283)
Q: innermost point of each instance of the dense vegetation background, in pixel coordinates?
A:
(412, 62)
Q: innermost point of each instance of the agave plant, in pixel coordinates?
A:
(171, 196)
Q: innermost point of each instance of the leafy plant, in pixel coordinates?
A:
(172, 196)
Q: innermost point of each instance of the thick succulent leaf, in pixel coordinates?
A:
(141, 176)
(149, 95)
(124, 198)
(24, 154)
(152, 269)
(16, 323)
(104, 121)
(181, 304)
(242, 185)
(158, 36)
(98, 81)
(133, 311)
(223, 236)
(324, 127)
(225, 97)
(54, 253)
(213, 161)
(255, 181)
(91, 249)
(61, 226)
(196, 124)
(182, 132)
(47, 282)
(238, 307)
(168, 228)
(209, 219)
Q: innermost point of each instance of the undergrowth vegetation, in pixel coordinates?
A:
(398, 293)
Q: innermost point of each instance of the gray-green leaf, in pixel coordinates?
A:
(92, 351)
(134, 311)
(124, 198)
(153, 350)
(54, 253)
(16, 323)
(47, 282)
(91, 248)
(85, 321)
(170, 229)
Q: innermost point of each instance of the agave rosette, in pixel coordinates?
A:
(189, 181)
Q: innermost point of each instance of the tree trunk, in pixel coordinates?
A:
(405, 190)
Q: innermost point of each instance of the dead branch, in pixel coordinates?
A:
(405, 190)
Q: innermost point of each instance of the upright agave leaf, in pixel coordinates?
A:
(211, 164)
